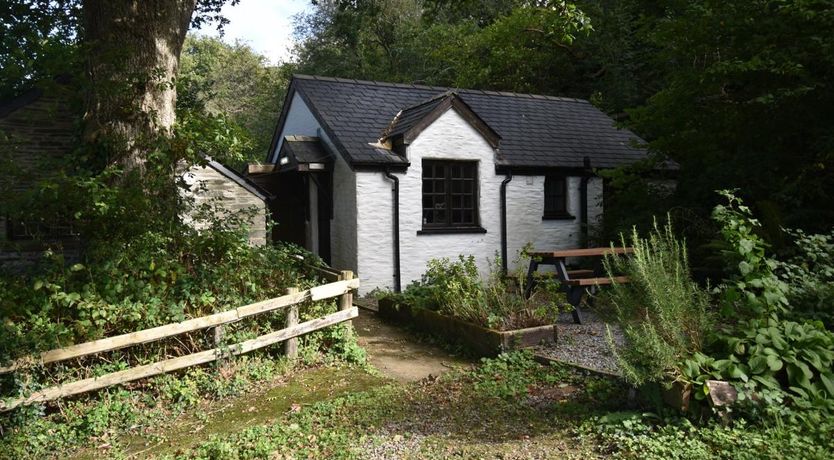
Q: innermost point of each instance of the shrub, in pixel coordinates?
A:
(809, 275)
(761, 348)
(663, 313)
(455, 288)
(753, 290)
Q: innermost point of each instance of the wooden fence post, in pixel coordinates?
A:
(219, 334)
(346, 299)
(291, 345)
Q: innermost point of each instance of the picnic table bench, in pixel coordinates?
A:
(574, 283)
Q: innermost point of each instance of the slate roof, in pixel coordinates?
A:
(536, 131)
(239, 178)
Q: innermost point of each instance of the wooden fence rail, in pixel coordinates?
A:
(341, 289)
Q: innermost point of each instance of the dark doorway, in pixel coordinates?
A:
(289, 209)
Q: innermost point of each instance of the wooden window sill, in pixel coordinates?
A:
(564, 216)
(450, 230)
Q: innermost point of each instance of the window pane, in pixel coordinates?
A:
(449, 193)
(555, 195)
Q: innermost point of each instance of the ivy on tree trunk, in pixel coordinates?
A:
(133, 50)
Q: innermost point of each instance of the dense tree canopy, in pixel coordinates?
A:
(232, 81)
(738, 93)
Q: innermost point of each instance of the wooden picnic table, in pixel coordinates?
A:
(574, 283)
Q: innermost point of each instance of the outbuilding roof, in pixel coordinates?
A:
(535, 131)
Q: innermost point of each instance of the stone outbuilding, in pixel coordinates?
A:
(39, 127)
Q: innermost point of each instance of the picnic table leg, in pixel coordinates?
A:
(528, 289)
(575, 298)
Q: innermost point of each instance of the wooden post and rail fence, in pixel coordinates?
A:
(340, 285)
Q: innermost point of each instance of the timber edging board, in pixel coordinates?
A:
(149, 335)
(483, 341)
(168, 365)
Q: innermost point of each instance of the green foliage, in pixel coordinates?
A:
(29, 433)
(761, 349)
(508, 45)
(646, 436)
(746, 93)
(663, 313)
(150, 256)
(337, 342)
(753, 288)
(492, 61)
(510, 375)
(457, 289)
(774, 362)
(233, 85)
(809, 274)
(37, 43)
(774, 354)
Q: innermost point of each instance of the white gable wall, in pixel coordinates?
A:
(450, 137)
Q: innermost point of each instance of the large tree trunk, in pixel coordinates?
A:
(134, 50)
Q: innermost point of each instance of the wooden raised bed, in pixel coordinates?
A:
(478, 339)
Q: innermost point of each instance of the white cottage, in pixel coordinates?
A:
(379, 178)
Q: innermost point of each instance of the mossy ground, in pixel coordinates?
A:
(264, 405)
(343, 412)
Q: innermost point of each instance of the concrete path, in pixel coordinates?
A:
(398, 354)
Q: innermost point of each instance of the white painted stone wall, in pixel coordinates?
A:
(450, 137)
(525, 206)
(227, 198)
(374, 240)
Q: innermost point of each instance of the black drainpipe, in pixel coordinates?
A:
(504, 183)
(583, 202)
(395, 191)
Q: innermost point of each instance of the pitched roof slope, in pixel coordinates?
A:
(535, 131)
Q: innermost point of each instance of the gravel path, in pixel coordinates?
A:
(584, 344)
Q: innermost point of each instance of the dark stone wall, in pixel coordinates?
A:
(33, 139)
